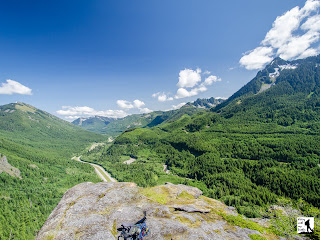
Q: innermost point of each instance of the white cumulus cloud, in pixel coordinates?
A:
(293, 35)
(14, 87)
(282, 28)
(312, 24)
(68, 110)
(138, 104)
(183, 93)
(211, 79)
(125, 104)
(189, 78)
(257, 58)
(76, 112)
(130, 105)
(309, 52)
(298, 45)
(145, 110)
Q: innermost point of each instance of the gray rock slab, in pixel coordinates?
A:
(95, 211)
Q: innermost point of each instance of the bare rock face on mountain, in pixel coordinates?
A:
(95, 211)
(6, 167)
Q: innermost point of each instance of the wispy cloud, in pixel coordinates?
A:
(14, 87)
(75, 112)
(293, 35)
(162, 97)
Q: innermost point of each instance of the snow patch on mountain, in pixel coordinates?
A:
(288, 66)
(275, 74)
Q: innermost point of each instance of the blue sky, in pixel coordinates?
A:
(113, 58)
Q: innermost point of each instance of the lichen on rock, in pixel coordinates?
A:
(95, 211)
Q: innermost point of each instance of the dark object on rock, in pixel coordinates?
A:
(91, 211)
(136, 231)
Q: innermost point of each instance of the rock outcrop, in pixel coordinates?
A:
(8, 168)
(95, 211)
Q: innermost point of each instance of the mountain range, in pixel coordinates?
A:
(36, 167)
(114, 127)
(255, 150)
(259, 147)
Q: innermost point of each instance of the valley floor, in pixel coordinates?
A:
(105, 176)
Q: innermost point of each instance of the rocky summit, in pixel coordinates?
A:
(95, 211)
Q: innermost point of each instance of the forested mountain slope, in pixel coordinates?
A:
(40, 146)
(260, 147)
(94, 124)
(284, 77)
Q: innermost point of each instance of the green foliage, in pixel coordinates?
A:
(40, 146)
(285, 224)
(243, 223)
(316, 234)
(114, 127)
(251, 150)
(158, 196)
(255, 149)
(243, 164)
(256, 237)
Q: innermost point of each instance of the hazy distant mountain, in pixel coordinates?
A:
(92, 120)
(94, 124)
(111, 126)
(114, 127)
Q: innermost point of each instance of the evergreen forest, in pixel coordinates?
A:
(253, 150)
(41, 147)
(258, 148)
